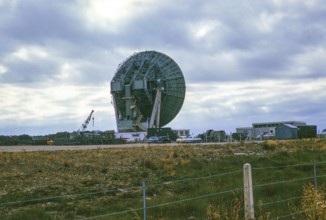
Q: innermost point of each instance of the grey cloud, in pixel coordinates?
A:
(236, 49)
(29, 72)
(35, 22)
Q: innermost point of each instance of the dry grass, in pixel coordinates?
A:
(313, 203)
(29, 175)
(68, 172)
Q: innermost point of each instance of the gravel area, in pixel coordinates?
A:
(30, 148)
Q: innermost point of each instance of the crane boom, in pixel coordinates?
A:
(85, 124)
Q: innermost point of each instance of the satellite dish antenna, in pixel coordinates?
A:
(148, 91)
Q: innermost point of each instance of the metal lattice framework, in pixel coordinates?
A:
(148, 90)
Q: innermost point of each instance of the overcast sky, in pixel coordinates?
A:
(243, 61)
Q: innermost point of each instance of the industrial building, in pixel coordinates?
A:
(268, 128)
(286, 131)
(131, 136)
(246, 131)
(182, 132)
(279, 130)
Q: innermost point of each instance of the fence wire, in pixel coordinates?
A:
(283, 166)
(194, 178)
(118, 189)
(167, 203)
(288, 215)
(68, 195)
(191, 179)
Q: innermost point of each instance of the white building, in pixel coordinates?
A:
(131, 136)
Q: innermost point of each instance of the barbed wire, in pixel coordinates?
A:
(279, 201)
(285, 166)
(321, 176)
(69, 195)
(111, 214)
(283, 181)
(288, 181)
(164, 204)
(196, 197)
(285, 216)
(186, 199)
(115, 190)
(212, 194)
(194, 178)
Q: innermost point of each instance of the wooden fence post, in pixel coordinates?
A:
(248, 193)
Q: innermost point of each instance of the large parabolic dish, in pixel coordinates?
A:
(148, 90)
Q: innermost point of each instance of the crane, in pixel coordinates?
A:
(83, 127)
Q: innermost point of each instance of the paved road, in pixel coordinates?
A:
(30, 148)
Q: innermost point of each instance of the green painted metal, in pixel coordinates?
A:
(134, 88)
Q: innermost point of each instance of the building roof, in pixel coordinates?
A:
(280, 122)
(290, 126)
(245, 128)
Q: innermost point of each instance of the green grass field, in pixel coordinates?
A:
(183, 182)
